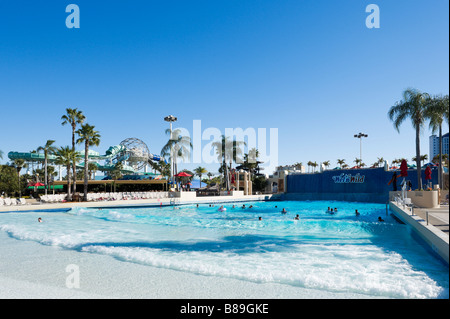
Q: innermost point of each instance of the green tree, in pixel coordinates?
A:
(116, 173)
(8, 179)
(178, 147)
(66, 156)
(19, 164)
(199, 171)
(413, 107)
(162, 167)
(73, 117)
(341, 162)
(227, 151)
(47, 149)
(423, 158)
(90, 137)
(92, 168)
(437, 112)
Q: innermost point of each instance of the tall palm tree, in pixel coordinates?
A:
(199, 171)
(228, 151)
(437, 111)
(309, 165)
(326, 164)
(90, 137)
(66, 156)
(178, 146)
(73, 117)
(47, 149)
(413, 106)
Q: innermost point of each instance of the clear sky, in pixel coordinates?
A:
(310, 68)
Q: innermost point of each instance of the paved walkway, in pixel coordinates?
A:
(438, 217)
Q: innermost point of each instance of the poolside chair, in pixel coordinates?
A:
(23, 201)
(1, 202)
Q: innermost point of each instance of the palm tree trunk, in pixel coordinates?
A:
(86, 158)
(20, 189)
(419, 168)
(69, 195)
(45, 173)
(440, 177)
(74, 166)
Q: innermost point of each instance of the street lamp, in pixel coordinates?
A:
(360, 136)
(171, 119)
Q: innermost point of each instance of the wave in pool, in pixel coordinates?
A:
(340, 253)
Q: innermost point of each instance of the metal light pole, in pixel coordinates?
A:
(360, 136)
(171, 119)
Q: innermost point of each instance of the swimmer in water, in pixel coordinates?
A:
(284, 211)
(356, 212)
(297, 217)
(40, 220)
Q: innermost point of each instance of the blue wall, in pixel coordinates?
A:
(352, 181)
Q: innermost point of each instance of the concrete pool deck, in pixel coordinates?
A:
(433, 230)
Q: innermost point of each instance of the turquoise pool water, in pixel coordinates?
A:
(336, 253)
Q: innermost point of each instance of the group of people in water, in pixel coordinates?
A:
(330, 211)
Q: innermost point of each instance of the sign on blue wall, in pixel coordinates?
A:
(370, 180)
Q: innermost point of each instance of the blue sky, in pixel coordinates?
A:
(310, 68)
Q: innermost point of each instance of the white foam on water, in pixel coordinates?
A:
(333, 268)
(339, 254)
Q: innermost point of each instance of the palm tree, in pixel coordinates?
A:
(90, 137)
(116, 173)
(66, 156)
(92, 168)
(47, 149)
(437, 111)
(423, 158)
(73, 117)
(228, 151)
(357, 161)
(19, 164)
(309, 165)
(380, 161)
(199, 171)
(326, 164)
(341, 162)
(413, 106)
(178, 146)
(314, 165)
